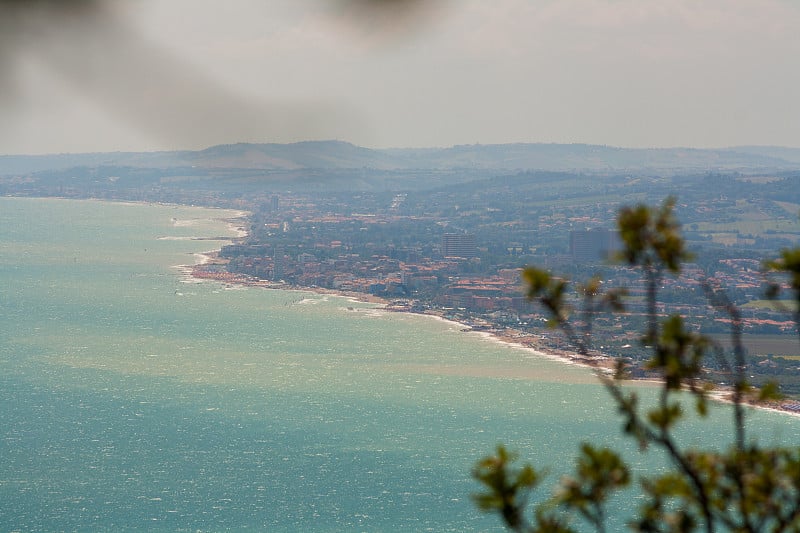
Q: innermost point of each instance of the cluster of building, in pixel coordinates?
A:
(429, 263)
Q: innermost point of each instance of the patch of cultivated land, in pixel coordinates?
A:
(778, 345)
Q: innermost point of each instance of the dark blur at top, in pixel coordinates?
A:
(89, 47)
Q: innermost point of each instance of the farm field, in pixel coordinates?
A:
(787, 346)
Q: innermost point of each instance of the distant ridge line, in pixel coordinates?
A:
(337, 154)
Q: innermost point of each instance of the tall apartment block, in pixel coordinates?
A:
(592, 245)
(459, 245)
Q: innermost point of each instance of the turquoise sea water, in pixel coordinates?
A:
(134, 399)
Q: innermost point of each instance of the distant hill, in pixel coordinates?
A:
(309, 154)
(585, 157)
(338, 155)
(776, 152)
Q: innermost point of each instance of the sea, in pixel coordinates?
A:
(136, 398)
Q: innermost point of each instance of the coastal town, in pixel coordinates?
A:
(465, 264)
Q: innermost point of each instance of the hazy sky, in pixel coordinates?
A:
(168, 74)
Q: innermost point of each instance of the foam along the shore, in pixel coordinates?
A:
(235, 224)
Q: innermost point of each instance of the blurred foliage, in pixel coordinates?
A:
(745, 488)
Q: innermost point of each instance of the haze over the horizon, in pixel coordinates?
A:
(187, 74)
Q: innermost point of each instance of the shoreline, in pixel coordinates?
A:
(600, 364)
(506, 336)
